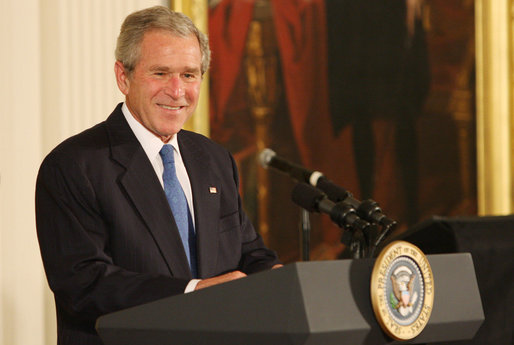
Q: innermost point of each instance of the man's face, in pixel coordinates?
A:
(162, 91)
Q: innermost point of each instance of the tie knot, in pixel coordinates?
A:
(167, 154)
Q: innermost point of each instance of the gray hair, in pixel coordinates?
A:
(128, 46)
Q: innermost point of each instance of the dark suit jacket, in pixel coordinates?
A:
(107, 235)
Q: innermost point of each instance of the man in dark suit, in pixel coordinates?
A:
(108, 232)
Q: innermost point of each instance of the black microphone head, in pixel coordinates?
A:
(334, 192)
(266, 156)
(307, 197)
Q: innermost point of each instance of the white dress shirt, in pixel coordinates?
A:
(152, 145)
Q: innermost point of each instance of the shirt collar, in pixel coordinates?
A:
(150, 142)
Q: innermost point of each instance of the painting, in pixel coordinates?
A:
(377, 95)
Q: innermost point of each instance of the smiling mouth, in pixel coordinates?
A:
(167, 107)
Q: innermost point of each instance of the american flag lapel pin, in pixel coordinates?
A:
(213, 190)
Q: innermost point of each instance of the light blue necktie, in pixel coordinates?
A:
(178, 203)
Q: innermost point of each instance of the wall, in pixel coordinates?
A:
(21, 277)
(57, 79)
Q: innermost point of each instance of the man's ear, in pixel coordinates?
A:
(122, 77)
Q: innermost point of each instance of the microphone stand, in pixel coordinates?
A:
(355, 240)
(305, 234)
(357, 245)
(361, 236)
(386, 230)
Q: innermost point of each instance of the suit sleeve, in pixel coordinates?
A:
(74, 241)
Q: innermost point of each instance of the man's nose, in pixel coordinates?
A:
(175, 87)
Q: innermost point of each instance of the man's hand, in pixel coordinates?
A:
(220, 279)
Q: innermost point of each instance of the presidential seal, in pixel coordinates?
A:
(402, 290)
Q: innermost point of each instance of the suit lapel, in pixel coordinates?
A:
(143, 188)
(206, 199)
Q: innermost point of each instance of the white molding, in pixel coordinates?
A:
(57, 79)
(21, 274)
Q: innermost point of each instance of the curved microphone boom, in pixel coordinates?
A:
(367, 209)
(313, 200)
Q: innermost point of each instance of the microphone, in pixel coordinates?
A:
(313, 200)
(368, 209)
(268, 158)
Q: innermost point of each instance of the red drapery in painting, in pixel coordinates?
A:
(302, 40)
(301, 35)
(228, 27)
